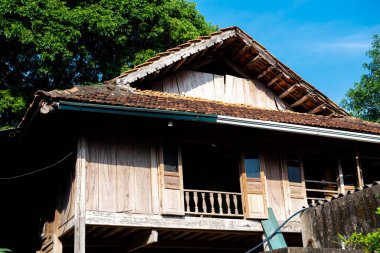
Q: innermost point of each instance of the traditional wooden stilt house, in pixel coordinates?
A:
(187, 152)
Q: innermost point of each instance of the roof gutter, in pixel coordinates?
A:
(213, 118)
(133, 111)
(299, 129)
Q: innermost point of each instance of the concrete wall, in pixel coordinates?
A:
(351, 213)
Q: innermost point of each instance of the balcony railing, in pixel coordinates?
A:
(213, 203)
(325, 190)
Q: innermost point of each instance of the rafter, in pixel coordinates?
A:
(301, 100)
(317, 109)
(249, 64)
(241, 51)
(275, 79)
(269, 69)
(289, 90)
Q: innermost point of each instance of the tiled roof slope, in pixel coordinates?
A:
(111, 95)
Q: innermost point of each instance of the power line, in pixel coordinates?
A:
(36, 171)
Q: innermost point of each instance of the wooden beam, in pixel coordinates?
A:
(275, 79)
(289, 90)
(269, 69)
(359, 171)
(257, 57)
(142, 241)
(241, 51)
(216, 245)
(80, 196)
(341, 176)
(317, 109)
(301, 100)
(238, 69)
(205, 224)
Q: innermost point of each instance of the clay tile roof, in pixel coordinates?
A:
(113, 95)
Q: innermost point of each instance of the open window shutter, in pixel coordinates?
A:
(253, 186)
(171, 179)
(294, 178)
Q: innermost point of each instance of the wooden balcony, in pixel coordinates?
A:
(213, 203)
(321, 190)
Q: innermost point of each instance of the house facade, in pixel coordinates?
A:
(187, 152)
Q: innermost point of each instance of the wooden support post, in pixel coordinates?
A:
(359, 172)
(341, 178)
(80, 197)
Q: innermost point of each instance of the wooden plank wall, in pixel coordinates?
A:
(119, 175)
(229, 89)
(276, 196)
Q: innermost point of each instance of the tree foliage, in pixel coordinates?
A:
(55, 44)
(363, 100)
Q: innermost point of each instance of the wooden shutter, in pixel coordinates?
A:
(296, 189)
(171, 180)
(253, 187)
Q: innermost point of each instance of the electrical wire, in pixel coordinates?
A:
(275, 232)
(36, 171)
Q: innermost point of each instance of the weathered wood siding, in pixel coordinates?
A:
(119, 176)
(275, 184)
(229, 89)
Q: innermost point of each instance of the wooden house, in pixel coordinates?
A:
(186, 152)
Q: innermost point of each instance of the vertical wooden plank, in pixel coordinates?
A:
(154, 179)
(107, 175)
(125, 181)
(92, 175)
(80, 198)
(219, 87)
(229, 89)
(275, 186)
(142, 163)
(157, 85)
(170, 84)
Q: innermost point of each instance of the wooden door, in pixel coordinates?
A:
(293, 174)
(252, 181)
(171, 179)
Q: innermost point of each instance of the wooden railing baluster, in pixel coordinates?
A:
(220, 203)
(204, 207)
(235, 204)
(212, 202)
(187, 200)
(195, 194)
(228, 200)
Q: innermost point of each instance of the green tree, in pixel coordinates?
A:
(55, 44)
(363, 100)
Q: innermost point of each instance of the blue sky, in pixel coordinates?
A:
(323, 41)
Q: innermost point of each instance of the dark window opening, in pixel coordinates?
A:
(252, 164)
(210, 167)
(170, 157)
(370, 169)
(294, 170)
(349, 170)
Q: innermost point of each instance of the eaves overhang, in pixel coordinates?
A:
(219, 119)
